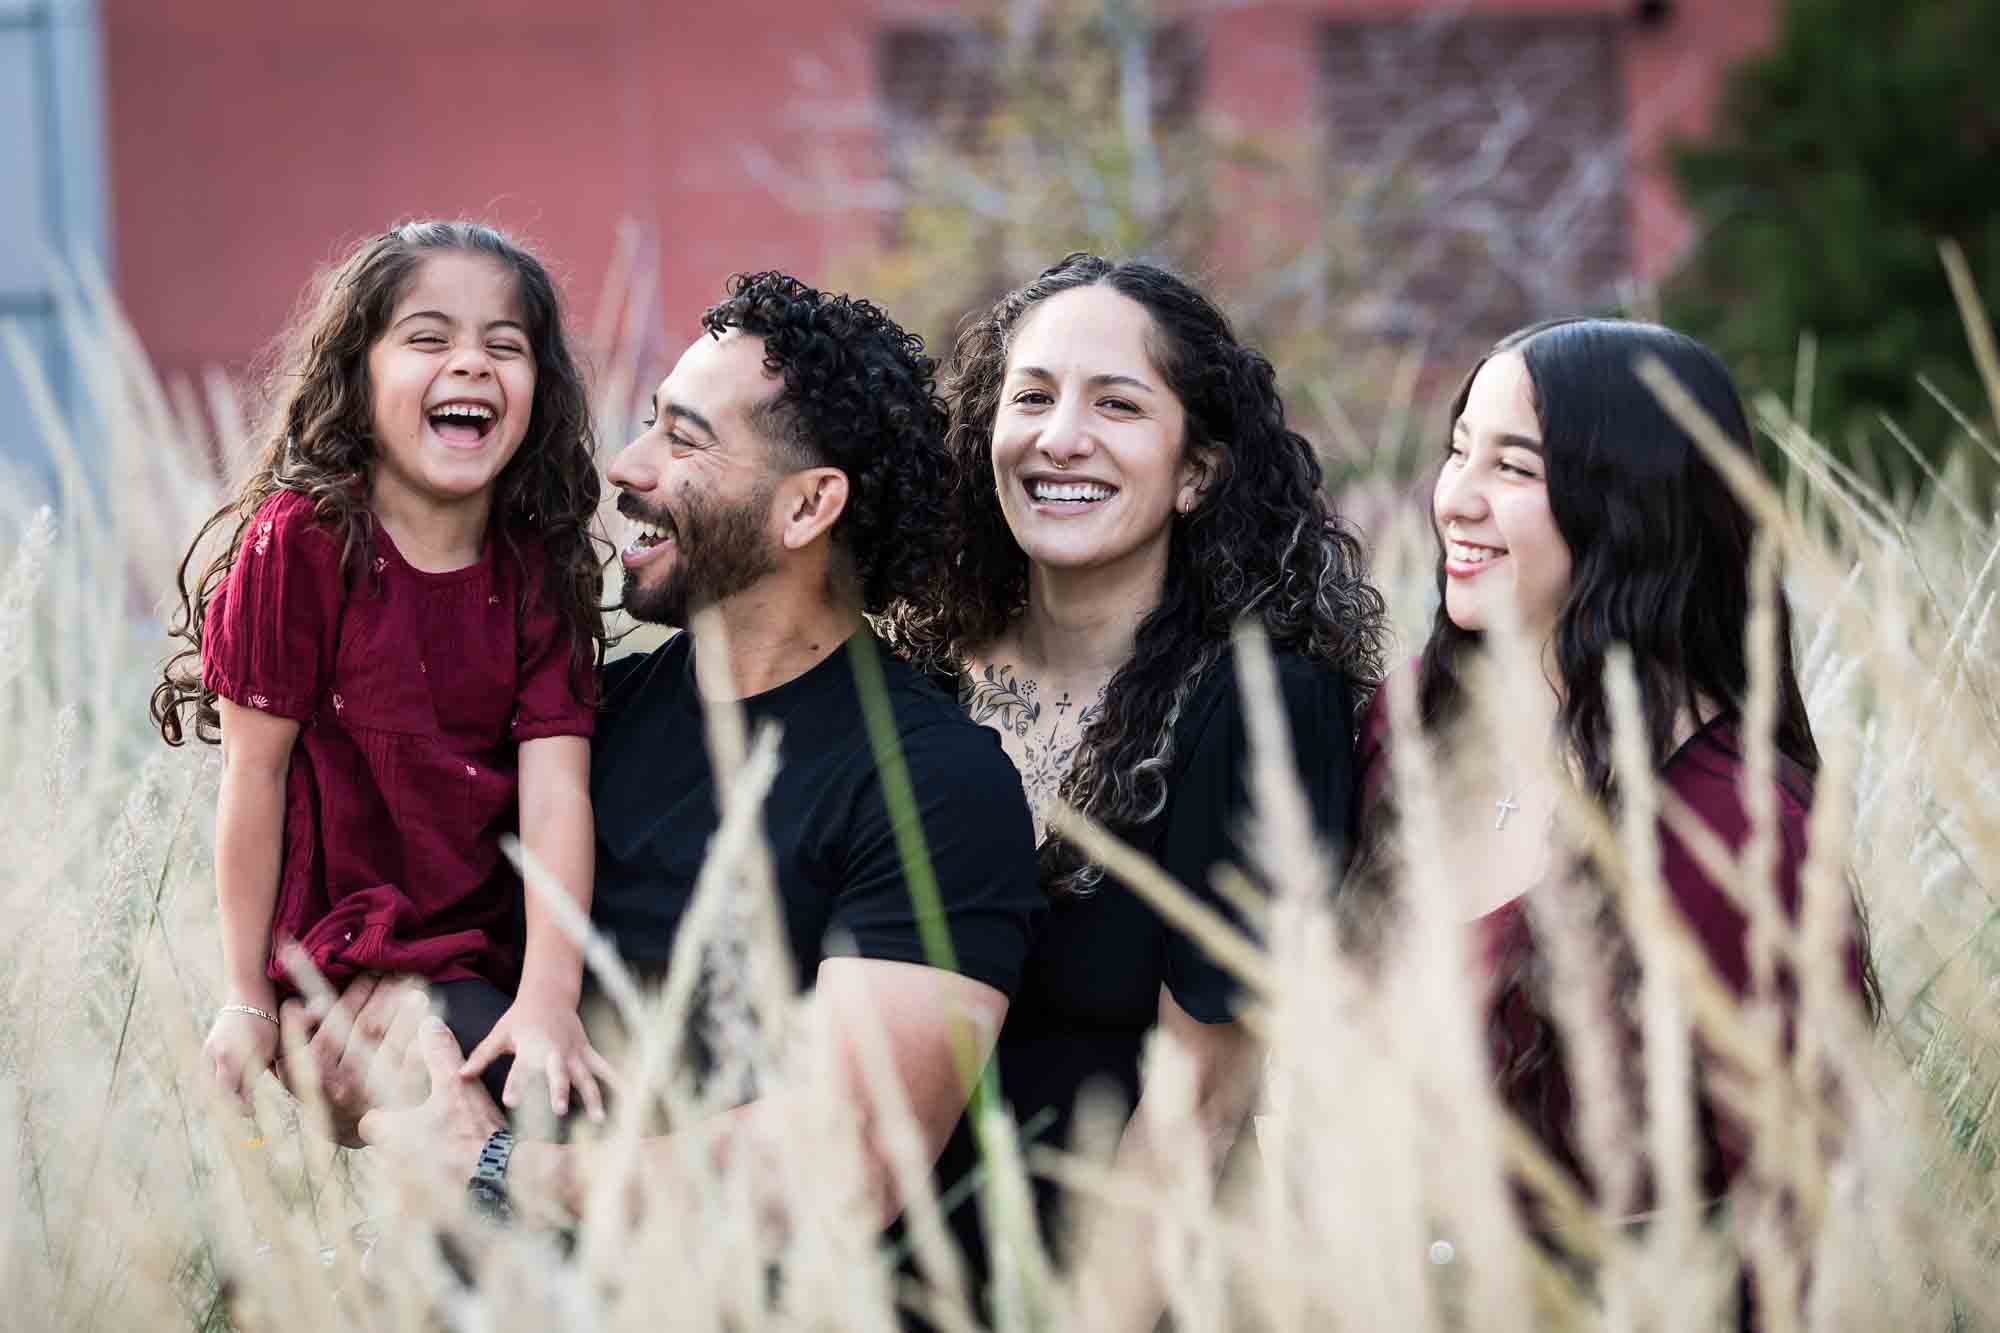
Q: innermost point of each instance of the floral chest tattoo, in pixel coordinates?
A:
(1040, 734)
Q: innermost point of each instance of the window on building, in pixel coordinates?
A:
(942, 86)
(1002, 146)
(1477, 172)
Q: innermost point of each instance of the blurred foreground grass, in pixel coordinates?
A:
(1376, 1192)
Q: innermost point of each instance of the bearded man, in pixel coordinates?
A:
(791, 458)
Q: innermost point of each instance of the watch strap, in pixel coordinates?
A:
(488, 1185)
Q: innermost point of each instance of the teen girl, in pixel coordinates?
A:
(395, 652)
(1571, 504)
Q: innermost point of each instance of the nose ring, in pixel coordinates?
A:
(1060, 465)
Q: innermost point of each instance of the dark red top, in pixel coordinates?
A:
(412, 691)
(1706, 774)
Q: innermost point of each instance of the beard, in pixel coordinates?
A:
(722, 550)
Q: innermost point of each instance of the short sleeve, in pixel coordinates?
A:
(1210, 806)
(267, 641)
(982, 850)
(548, 700)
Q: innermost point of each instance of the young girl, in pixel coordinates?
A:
(395, 652)
(1570, 504)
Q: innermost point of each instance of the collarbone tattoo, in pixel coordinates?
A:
(1041, 740)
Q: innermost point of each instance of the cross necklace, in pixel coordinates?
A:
(1504, 806)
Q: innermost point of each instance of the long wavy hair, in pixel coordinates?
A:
(1660, 562)
(1263, 541)
(1659, 545)
(318, 441)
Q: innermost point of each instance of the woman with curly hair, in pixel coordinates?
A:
(1128, 491)
(394, 650)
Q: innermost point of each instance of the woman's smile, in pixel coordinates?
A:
(1056, 496)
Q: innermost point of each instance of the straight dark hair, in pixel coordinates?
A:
(1659, 545)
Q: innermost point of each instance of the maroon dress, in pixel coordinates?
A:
(1706, 774)
(412, 691)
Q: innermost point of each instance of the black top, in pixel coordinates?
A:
(833, 848)
(1092, 987)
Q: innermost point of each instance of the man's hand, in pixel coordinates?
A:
(357, 1050)
(456, 1120)
(546, 1041)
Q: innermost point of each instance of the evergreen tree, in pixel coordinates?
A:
(1839, 159)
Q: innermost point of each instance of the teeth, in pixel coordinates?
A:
(473, 411)
(648, 534)
(1470, 555)
(1070, 490)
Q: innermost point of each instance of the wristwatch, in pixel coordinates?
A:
(488, 1186)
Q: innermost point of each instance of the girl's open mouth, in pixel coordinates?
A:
(462, 423)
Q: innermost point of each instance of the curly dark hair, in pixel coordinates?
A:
(859, 394)
(1263, 541)
(319, 442)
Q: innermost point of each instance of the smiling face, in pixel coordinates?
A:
(1089, 443)
(452, 379)
(1492, 511)
(698, 486)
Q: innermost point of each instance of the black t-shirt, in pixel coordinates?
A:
(1092, 985)
(833, 847)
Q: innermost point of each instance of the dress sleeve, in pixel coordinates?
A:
(1708, 784)
(1210, 806)
(268, 635)
(982, 851)
(555, 693)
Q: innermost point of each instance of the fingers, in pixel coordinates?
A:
(295, 1026)
(557, 1070)
(392, 1071)
(372, 1126)
(328, 1047)
(377, 1013)
(601, 1067)
(484, 1054)
(586, 1085)
(440, 1050)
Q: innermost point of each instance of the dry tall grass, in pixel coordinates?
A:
(1377, 1194)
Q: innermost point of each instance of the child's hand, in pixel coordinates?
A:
(545, 1040)
(240, 1046)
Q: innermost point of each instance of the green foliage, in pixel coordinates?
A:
(1839, 160)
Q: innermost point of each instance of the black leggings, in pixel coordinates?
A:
(470, 1009)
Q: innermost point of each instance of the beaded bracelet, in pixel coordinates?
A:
(253, 1011)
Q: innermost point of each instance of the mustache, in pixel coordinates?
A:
(633, 508)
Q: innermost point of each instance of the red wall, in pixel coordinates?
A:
(250, 141)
